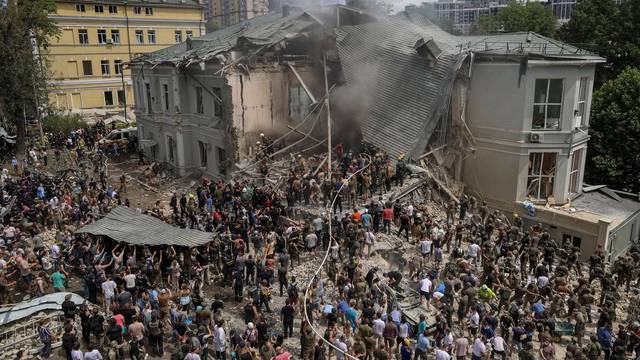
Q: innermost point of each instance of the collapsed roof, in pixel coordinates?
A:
(126, 225)
(413, 61)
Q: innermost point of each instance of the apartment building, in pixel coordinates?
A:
(464, 13)
(98, 38)
(224, 13)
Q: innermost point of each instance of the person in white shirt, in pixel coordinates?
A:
(425, 290)
(92, 354)
(474, 321)
(478, 350)
(108, 292)
(219, 341)
(425, 247)
(378, 326)
(340, 344)
(474, 252)
(543, 281)
(76, 354)
(498, 347)
(441, 354)
(130, 282)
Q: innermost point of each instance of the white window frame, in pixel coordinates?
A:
(102, 36)
(139, 36)
(98, 8)
(541, 178)
(148, 11)
(117, 66)
(105, 67)
(137, 10)
(113, 9)
(575, 172)
(115, 36)
(546, 104)
(583, 89)
(189, 34)
(151, 36)
(83, 36)
(81, 8)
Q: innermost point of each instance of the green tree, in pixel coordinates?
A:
(25, 32)
(62, 123)
(608, 29)
(515, 17)
(613, 156)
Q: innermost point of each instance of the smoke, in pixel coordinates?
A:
(350, 103)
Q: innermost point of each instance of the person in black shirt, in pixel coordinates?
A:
(69, 308)
(394, 279)
(287, 314)
(68, 340)
(217, 304)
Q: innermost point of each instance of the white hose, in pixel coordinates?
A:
(326, 255)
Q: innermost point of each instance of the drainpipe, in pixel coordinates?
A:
(124, 86)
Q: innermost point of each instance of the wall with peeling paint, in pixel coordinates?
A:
(261, 103)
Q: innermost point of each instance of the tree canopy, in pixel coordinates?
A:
(613, 156)
(609, 29)
(25, 32)
(515, 17)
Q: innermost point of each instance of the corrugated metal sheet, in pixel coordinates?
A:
(9, 314)
(261, 30)
(404, 106)
(126, 225)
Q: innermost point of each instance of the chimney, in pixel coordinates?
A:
(286, 10)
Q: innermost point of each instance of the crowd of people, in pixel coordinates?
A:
(489, 286)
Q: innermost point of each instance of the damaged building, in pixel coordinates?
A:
(506, 115)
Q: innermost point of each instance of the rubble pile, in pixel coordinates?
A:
(22, 335)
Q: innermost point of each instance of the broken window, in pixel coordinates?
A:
(547, 104)
(199, 103)
(148, 94)
(165, 96)
(217, 101)
(170, 146)
(108, 98)
(203, 154)
(582, 100)
(541, 177)
(574, 172)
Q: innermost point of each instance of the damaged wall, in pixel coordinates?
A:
(261, 102)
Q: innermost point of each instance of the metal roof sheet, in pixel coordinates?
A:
(260, 30)
(127, 225)
(9, 314)
(409, 93)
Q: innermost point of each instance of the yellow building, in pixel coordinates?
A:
(228, 12)
(98, 37)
